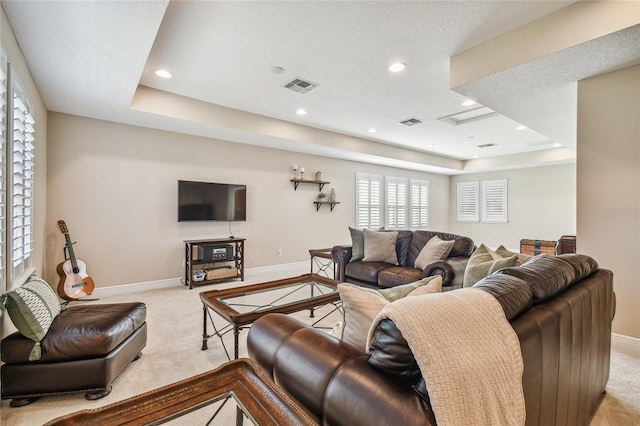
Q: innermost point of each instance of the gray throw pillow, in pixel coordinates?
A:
(357, 244)
(380, 247)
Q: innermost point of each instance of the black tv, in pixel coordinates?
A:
(208, 201)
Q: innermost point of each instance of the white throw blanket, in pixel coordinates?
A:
(468, 353)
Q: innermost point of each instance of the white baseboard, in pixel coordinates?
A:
(295, 268)
(625, 344)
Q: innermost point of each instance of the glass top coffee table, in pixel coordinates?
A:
(232, 393)
(241, 306)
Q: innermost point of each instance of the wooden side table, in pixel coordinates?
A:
(322, 260)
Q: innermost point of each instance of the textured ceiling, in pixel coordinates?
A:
(94, 58)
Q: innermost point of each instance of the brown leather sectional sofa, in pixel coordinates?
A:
(561, 308)
(408, 247)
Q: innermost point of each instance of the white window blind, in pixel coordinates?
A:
(3, 168)
(22, 168)
(468, 200)
(419, 206)
(368, 201)
(396, 214)
(494, 201)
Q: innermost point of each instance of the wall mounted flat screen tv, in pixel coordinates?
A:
(205, 201)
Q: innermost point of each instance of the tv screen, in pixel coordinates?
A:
(204, 201)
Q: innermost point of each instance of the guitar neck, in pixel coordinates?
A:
(72, 255)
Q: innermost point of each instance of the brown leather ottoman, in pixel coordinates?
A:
(84, 351)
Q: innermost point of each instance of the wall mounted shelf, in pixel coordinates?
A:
(331, 203)
(320, 183)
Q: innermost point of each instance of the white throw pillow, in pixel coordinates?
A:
(361, 305)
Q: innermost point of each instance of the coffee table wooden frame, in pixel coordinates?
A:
(237, 320)
(259, 397)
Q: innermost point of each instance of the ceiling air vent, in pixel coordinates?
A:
(410, 122)
(300, 86)
(487, 145)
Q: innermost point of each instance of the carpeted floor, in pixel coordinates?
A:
(173, 352)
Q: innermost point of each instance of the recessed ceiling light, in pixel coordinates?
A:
(397, 67)
(557, 145)
(521, 127)
(164, 74)
(468, 103)
(430, 145)
(277, 70)
(371, 130)
(301, 111)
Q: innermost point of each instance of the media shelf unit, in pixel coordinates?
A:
(192, 262)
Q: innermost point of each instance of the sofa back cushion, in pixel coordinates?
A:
(549, 275)
(513, 294)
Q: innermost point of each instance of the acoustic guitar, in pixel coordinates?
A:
(74, 281)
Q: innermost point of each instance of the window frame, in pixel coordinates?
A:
(468, 201)
(396, 203)
(421, 208)
(369, 206)
(495, 201)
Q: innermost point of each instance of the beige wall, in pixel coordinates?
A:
(542, 206)
(116, 188)
(609, 185)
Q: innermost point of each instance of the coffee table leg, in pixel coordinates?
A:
(236, 335)
(204, 328)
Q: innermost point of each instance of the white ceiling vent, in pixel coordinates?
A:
(410, 122)
(468, 116)
(300, 86)
(487, 145)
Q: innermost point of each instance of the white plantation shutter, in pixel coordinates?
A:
(494, 201)
(22, 156)
(368, 201)
(3, 168)
(468, 200)
(396, 203)
(419, 205)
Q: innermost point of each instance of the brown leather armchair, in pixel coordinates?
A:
(84, 350)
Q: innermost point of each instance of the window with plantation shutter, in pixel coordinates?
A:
(21, 172)
(368, 201)
(3, 168)
(494, 201)
(396, 197)
(419, 204)
(468, 202)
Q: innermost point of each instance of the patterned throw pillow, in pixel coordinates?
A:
(32, 308)
(484, 262)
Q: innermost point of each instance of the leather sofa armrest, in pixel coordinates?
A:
(330, 378)
(451, 270)
(341, 255)
(301, 359)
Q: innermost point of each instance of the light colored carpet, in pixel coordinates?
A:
(173, 353)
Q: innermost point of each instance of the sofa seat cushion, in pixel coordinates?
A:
(398, 275)
(79, 332)
(365, 271)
